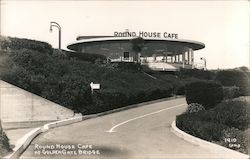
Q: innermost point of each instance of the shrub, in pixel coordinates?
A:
(180, 89)
(232, 113)
(140, 96)
(234, 78)
(231, 92)
(123, 66)
(93, 58)
(196, 73)
(158, 93)
(234, 139)
(226, 122)
(206, 93)
(191, 124)
(4, 143)
(104, 101)
(17, 44)
(244, 68)
(194, 107)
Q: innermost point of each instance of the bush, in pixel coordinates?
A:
(180, 89)
(231, 92)
(244, 68)
(123, 66)
(93, 58)
(206, 93)
(196, 73)
(227, 121)
(18, 44)
(104, 101)
(232, 113)
(191, 124)
(4, 143)
(234, 139)
(234, 78)
(194, 107)
(157, 94)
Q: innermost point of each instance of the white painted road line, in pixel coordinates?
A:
(112, 129)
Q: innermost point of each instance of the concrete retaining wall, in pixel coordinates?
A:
(20, 108)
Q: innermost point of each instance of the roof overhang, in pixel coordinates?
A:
(195, 45)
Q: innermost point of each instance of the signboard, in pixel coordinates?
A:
(95, 86)
(144, 34)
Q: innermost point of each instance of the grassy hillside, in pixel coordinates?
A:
(64, 78)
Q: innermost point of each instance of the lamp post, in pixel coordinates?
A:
(55, 24)
(205, 63)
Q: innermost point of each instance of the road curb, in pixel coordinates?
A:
(25, 141)
(208, 145)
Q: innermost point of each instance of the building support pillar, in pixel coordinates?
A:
(183, 59)
(192, 58)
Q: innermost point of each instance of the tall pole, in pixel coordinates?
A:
(55, 24)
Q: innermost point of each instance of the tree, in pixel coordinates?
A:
(234, 78)
(137, 45)
(244, 68)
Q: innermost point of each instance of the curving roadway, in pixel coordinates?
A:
(142, 132)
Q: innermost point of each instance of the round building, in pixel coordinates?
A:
(159, 54)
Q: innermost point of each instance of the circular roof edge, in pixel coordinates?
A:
(195, 45)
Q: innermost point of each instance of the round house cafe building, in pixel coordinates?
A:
(160, 51)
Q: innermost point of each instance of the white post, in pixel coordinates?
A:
(183, 59)
(192, 58)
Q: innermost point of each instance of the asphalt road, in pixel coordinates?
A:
(142, 132)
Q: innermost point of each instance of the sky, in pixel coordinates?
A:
(223, 26)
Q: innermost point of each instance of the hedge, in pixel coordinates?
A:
(18, 44)
(196, 73)
(236, 78)
(232, 113)
(231, 92)
(228, 119)
(93, 58)
(206, 130)
(104, 100)
(235, 139)
(206, 93)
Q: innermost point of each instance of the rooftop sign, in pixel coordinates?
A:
(144, 34)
